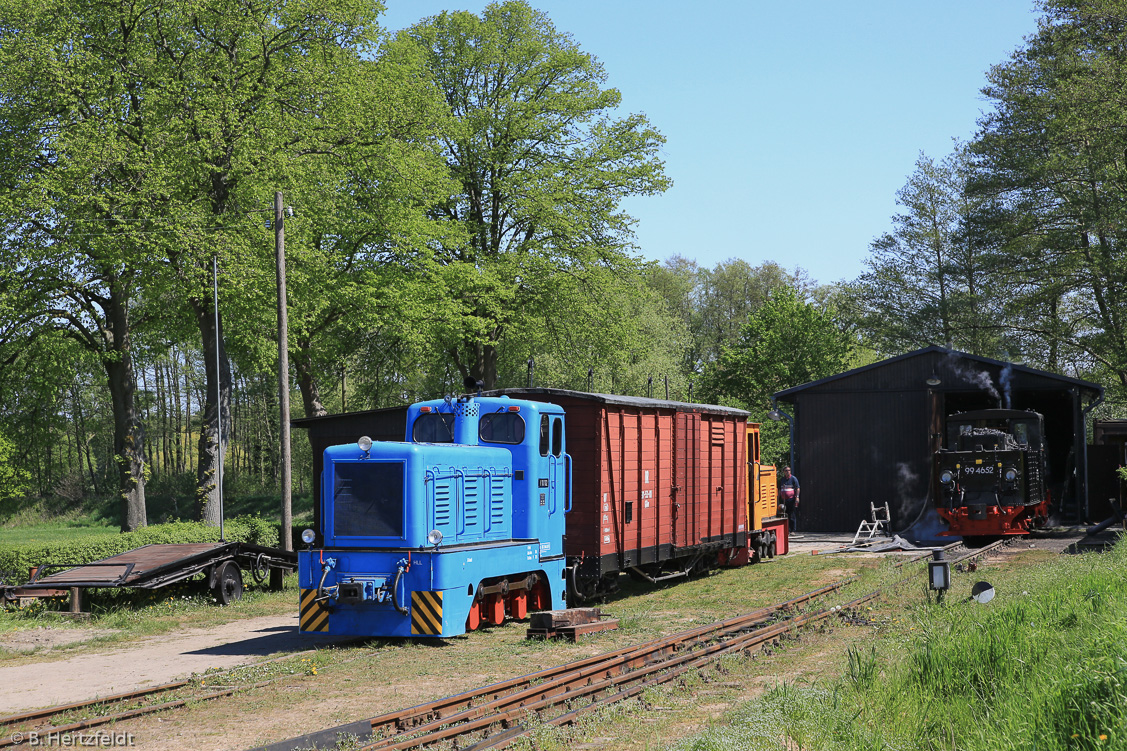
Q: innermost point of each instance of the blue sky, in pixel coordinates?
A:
(789, 126)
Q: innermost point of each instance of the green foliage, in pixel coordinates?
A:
(1050, 179)
(541, 168)
(16, 560)
(1042, 666)
(14, 479)
(928, 281)
(714, 303)
(786, 342)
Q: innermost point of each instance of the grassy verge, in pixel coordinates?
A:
(1043, 666)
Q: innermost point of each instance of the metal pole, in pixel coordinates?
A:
(218, 394)
(283, 371)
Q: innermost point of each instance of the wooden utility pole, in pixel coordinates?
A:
(283, 371)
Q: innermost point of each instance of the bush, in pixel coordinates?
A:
(17, 560)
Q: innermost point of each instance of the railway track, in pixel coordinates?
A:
(495, 716)
(497, 712)
(563, 694)
(62, 719)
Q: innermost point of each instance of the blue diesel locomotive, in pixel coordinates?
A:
(461, 524)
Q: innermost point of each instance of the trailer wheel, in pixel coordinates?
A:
(228, 584)
(261, 569)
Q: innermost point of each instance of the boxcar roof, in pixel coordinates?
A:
(618, 399)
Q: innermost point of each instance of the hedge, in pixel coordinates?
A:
(17, 560)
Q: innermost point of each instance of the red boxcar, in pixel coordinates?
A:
(660, 488)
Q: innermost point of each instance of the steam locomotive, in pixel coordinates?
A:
(463, 523)
(992, 474)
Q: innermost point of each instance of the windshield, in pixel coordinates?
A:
(368, 499)
(433, 427)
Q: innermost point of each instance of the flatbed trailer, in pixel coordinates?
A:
(158, 565)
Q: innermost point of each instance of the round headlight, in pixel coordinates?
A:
(1010, 475)
(946, 477)
(365, 443)
(308, 536)
(434, 537)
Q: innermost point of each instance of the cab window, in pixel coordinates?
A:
(501, 427)
(557, 436)
(544, 434)
(433, 427)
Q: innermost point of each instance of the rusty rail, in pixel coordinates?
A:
(508, 702)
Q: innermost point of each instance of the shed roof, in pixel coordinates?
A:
(1093, 389)
(306, 422)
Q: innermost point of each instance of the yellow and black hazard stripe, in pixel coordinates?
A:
(426, 613)
(314, 612)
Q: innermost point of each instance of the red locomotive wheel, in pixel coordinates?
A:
(540, 598)
(473, 620)
(495, 609)
(518, 604)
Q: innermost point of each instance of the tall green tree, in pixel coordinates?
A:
(541, 164)
(714, 303)
(928, 281)
(787, 342)
(143, 141)
(731, 292)
(1050, 159)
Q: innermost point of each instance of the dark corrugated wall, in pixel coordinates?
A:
(869, 448)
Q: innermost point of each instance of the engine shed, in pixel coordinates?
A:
(867, 435)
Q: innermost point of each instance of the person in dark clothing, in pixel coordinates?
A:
(788, 493)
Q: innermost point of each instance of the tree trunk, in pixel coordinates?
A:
(310, 391)
(483, 366)
(211, 443)
(128, 433)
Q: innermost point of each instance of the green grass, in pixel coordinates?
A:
(1043, 666)
(168, 500)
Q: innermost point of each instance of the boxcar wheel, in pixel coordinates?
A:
(228, 584)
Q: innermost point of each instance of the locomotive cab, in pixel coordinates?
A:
(991, 473)
(459, 525)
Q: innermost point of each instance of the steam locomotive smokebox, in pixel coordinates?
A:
(868, 435)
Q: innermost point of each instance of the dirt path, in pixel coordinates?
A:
(153, 661)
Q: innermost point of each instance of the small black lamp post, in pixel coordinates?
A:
(938, 574)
